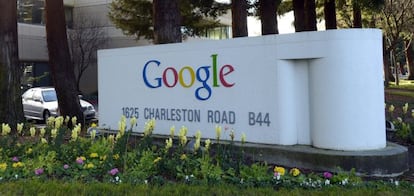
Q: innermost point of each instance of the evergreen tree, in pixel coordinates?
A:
(135, 17)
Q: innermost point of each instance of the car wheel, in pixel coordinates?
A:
(46, 115)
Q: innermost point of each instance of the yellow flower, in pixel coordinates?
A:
(32, 131)
(183, 157)
(149, 127)
(42, 132)
(74, 134)
(133, 121)
(121, 127)
(93, 125)
(82, 157)
(116, 156)
(218, 132)
(157, 160)
(391, 108)
(279, 170)
(93, 134)
(5, 129)
(19, 127)
(67, 119)
(294, 172)
(172, 130)
(90, 165)
(74, 120)
(54, 133)
(183, 140)
(50, 121)
(43, 140)
(168, 143)
(3, 166)
(197, 145)
(198, 134)
(18, 164)
(207, 142)
(102, 158)
(94, 155)
(29, 151)
(58, 122)
(111, 139)
(243, 138)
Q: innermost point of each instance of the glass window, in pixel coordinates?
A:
(49, 95)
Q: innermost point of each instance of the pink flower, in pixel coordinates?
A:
(114, 171)
(15, 159)
(66, 166)
(327, 175)
(39, 171)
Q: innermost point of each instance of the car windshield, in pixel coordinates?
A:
(49, 95)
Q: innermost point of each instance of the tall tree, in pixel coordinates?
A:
(135, 17)
(310, 15)
(397, 20)
(268, 16)
(329, 9)
(167, 24)
(59, 59)
(11, 109)
(299, 14)
(356, 13)
(239, 18)
(305, 15)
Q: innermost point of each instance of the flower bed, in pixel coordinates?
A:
(57, 152)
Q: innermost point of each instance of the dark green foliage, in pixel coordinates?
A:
(134, 17)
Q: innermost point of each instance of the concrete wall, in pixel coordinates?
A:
(323, 89)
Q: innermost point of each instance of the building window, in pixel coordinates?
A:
(33, 12)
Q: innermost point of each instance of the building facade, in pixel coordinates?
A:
(80, 14)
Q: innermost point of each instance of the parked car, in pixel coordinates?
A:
(40, 103)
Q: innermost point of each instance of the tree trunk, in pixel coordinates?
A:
(59, 60)
(268, 16)
(11, 109)
(356, 12)
(310, 15)
(167, 21)
(299, 13)
(329, 9)
(239, 18)
(409, 56)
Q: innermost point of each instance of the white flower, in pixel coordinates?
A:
(344, 181)
(327, 182)
(146, 181)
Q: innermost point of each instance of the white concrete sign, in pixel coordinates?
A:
(323, 89)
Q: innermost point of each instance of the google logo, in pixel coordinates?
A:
(186, 77)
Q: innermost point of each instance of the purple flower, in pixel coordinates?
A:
(327, 175)
(39, 171)
(79, 161)
(114, 171)
(66, 166)
(15, 159)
